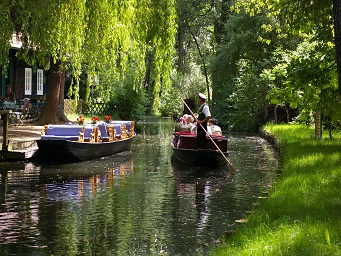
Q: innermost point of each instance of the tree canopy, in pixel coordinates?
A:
(280, 53)
(109, 37)
(252, 56)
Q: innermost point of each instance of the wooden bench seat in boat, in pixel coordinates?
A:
(65, 132)
(122, 129)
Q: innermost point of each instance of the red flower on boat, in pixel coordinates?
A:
(107, 118)
(95, 119)
(80, 120)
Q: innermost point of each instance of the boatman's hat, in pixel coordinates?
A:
(202, 96)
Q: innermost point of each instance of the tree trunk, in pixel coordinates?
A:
(181, 48)
(203, 61)
(337, 33)
(287, 111)
(60, 111)
(221, 20)
(318, 125)
(53, 106)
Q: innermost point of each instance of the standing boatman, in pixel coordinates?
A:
(204, 115)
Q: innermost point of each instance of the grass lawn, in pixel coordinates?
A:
(302, 215)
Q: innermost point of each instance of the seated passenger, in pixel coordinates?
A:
(27, 106)
(213, 128)
(186, 124)
(189, 122)
(10, 96)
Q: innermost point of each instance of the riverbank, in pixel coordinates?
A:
(19, 134)
(301, 214)
(21, 142)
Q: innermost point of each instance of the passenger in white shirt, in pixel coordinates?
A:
(189, 122)
(213, 128)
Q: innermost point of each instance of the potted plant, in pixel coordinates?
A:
(107, 118)
(80, 120)
(95, 119)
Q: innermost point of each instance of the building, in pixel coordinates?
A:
(26, 82)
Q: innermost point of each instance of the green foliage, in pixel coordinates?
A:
(6, 30)
(108, 40)
(238, 91)
(278, 49)
(127, 104)
(171, 104)
(247, 104)
(304, 79)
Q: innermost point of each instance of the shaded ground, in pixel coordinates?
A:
(19, 135)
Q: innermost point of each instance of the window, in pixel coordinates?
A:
(40, 81)
(28, 81)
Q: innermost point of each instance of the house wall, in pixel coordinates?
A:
(15, 76)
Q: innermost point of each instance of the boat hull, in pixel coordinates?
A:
(200, 156)
(66, 150)
(185, 148)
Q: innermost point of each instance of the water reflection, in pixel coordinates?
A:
(141, 202)
(33, 194)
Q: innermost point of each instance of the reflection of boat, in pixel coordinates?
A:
(81, 143)
(186, 150)
(79, 180)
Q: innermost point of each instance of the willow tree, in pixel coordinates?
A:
(157, 28)
(52, 34)
(105, 34)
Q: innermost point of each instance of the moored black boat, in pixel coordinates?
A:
(185, 149)
(61, 142)
(67, 150)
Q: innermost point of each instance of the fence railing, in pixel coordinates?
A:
(97, 108)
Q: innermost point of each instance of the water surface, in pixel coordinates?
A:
(140, 202)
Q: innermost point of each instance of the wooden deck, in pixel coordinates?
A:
(17, 142)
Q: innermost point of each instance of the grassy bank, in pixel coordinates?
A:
(302, 215)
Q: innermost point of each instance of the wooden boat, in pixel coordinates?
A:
(186, 150)
(69, 143)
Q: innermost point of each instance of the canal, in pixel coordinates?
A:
(141, 202)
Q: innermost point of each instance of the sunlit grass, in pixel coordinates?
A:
(301, 214)
(287, 239)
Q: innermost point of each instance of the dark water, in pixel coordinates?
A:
(141, 202)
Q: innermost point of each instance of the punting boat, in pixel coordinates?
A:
(68, 143)
(186, 150)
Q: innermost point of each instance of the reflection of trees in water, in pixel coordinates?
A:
(196, 187)
(18, 202)
(202, 194)
(69, 188)
(83, 223)
(43, 197)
